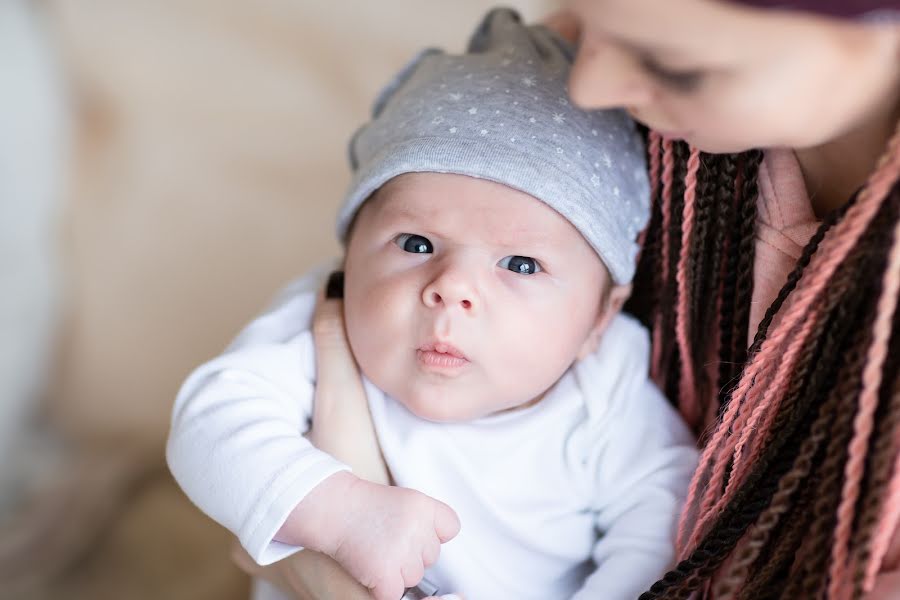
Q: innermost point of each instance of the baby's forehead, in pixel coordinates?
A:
(471, 207)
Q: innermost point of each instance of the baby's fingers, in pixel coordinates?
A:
(388, 588)
(412, 574)
(430, 553)
(446, 523)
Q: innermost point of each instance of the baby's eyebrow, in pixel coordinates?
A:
(524, 238)
(402, 213)
(514, 239)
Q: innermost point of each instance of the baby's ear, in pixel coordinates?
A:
(614, 302)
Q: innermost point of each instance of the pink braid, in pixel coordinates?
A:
(710, 417)
(887, 526)
(746, 426)
(832, 251)
(687, 387)
(766, 407)
(654, 166)
(864, 420)
(702, 478)
(654, 143)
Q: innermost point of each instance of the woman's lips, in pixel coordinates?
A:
(441, 356)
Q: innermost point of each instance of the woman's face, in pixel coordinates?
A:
(727, 78)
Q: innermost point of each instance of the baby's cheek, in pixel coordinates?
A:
(535, 357)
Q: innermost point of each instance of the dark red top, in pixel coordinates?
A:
(836, 8)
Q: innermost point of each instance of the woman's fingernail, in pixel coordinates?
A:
(335, 286)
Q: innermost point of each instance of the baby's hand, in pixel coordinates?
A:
(390, 536)
(385, 537)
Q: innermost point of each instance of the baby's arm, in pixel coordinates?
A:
(237, 449)
(643, 469)
(236, 444)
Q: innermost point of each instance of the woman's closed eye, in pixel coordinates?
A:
(680, 80)
(523, 265)
(414, 244)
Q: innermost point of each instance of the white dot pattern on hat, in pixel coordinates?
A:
(589, 166)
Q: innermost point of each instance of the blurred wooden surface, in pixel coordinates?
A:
(209, 165)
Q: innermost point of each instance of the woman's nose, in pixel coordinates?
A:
(607, 75)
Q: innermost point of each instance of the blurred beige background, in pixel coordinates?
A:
(209, 158)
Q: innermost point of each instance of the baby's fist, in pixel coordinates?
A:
(390, 535)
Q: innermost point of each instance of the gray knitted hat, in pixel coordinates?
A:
(501, 112)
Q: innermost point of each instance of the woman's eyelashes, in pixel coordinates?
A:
(414, 244)
(523, 265)
(681, 80)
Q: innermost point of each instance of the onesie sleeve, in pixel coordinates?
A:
(236, 444)
(640, 460)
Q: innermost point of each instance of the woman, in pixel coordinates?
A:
(769, 279)
(796, 478)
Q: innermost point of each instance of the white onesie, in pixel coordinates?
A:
(575, 497)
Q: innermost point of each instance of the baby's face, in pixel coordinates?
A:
(464, 297)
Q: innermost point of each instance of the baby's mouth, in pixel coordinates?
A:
(441, 355)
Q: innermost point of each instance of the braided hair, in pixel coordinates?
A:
(798, 488)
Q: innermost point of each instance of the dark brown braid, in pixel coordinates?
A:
(728, 370)
(787, 435)
(850, 317)
(743, 291)
(826, 377)
(677, 216)
(882, 448)
(748, 503)
(814, 372)
(769, 573)
(646, 293)
(704, 277)
(701, 280)
(807, 575)
(879, 469)
(751, 500)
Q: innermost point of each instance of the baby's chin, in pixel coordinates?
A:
(443, 407)
(443, 410)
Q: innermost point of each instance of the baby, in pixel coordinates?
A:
(490, 240)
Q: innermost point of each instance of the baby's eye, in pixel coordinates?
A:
(410, 242)
(521, 264)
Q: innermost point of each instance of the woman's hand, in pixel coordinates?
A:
(307, 575)
(342, 426)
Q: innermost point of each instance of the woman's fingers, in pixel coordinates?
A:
(887, 586)
(274, 574)
(306, 575)
(342, 424)
(240, 557)
(328, 318)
